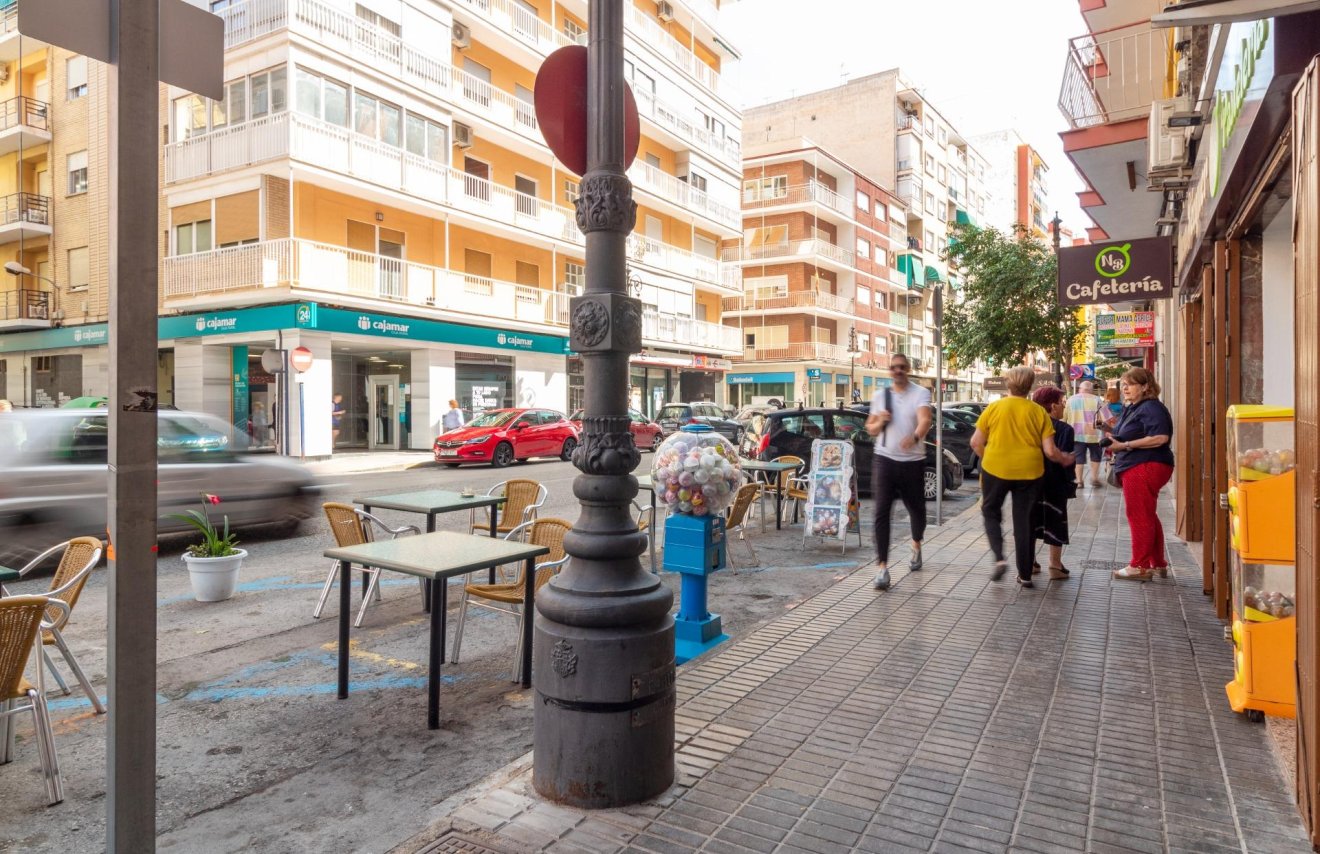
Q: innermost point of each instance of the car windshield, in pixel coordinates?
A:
(672, 413)
(493, 419)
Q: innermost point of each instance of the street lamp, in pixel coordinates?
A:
(14, 268)
(934, 281)
(853, 354)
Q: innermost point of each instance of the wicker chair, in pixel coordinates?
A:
(522, 499)
(645, 519)
(353, 527)
(21, 620)
(81, 555)
(508, 598)
(736, 518)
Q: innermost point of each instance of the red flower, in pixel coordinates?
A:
(214, 499)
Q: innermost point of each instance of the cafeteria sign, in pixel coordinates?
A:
(1124, 330)
(1116, 271)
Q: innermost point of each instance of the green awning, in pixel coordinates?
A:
(961, 217)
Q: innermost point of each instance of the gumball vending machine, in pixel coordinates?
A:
(1261, 500)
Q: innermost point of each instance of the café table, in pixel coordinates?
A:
(766, 467)
(436, 557)
(644, 483)
(7, 574)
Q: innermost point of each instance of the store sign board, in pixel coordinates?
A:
(240, 399)
(241, 320)
(1116, 271)
(765, 378)
(813, 373)
(89, 335)
(1124, 330)
(994, 384)
(416, 329)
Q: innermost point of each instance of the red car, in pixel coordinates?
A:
(501, 436)
(646, 433)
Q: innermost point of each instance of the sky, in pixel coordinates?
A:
(985, 64)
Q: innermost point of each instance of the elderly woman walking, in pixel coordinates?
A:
(1143, 462)
(1011, 436)
(1049, 518)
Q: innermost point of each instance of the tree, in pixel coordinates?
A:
(1009, 306)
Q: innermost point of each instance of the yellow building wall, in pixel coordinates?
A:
(668, 160)
(504, 256)
(504, 72)
(323, 215)
(505, 165)
(712, 304)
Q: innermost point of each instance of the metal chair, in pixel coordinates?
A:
(81, 555)
(736, 518)
(645, 520)
(353, 527)
(522, 499)
(21, 621)
(508, 598)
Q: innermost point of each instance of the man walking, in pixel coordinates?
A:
(453, 419)
(900, 417)
(1081, 414)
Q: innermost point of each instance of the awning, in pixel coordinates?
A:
(1193, 12)
(961, 217)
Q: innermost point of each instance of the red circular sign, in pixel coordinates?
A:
(560, 98)
(301, 358)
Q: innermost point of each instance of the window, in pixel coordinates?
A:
(930, 203)
(821, 335)
(697, 180)
(575, 32)
(575, 276)
(758, 238)
(944, 213)
(79, 269)
(336, 103)
(810, 426)
(944, 174)
(930, 126)
(944, 137)
(189, 117)
(192, 237)
(863, 248)
(863, 342)
(766, 287)
(930, 240)
(365, 14)
(713, 126)
(426, 138)
(307, 93)
(881, 257)
(269, 91)
(365, 120)
(77, 168)
(570, 191)
(761, 189)
(881, 344)
(882, 300)
(75, 70)
(863, 202)
(863, 296)
(930, 165)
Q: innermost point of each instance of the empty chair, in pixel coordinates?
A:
(21, 619)
(736, 518)
(522, 498)
(353, 527)
(645, 519)
(80, 557)
(508, 598)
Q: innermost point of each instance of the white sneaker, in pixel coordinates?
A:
(881, 581)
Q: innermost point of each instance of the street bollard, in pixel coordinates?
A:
(695, 547)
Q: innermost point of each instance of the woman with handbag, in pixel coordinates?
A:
(1143, 463)
(1049, 517)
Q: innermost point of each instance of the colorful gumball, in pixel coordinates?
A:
(696, 473)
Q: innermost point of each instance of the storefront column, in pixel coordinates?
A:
(311, 436)
(202, 381)
(432, 389)
(541, 379)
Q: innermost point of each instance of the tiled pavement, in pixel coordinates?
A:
(948, 714)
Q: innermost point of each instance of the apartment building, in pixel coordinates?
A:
(1016, 189)
(54, 194)
(885, 128)
(823, 303)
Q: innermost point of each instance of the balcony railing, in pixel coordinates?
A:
(671, 259)
(24, 112)
(313, 267)
(799, 194)
(682, 194)
(649, 32)
(909, 191)
(517, 21)
(1113, 75)
(24, 304)
(793, 299)
(24, 207)
(790, 249)
(808, 350)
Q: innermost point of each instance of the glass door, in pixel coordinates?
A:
(383, 412)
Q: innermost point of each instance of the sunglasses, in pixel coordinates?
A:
(903, 368)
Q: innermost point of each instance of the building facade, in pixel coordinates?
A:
(823, 303)
(374, 187)
(1016, 189)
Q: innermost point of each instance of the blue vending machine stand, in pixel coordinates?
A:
(695, 547)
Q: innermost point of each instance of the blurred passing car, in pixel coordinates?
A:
(645, 432)
(502, 436)
(53, 477)
(673, 416)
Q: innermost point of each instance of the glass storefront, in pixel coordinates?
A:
(484, 382)
(376, 400)
(56, 380)
(696, 385)
(650, 389)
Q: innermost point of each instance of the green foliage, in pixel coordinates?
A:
(214, 543)
(1009, 307)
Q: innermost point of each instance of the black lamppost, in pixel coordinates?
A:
(853, 353)
(604, 667)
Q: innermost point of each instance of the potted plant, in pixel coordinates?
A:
(213, 563)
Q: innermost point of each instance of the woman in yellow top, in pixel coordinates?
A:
(1013, 437)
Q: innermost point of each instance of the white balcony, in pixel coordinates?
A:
(792, 250)
(275, 270)
(671, 118)
(1114, 75)
(677, 262)
(648, 31)
(10, 43)
(24, 123)
(342, 152)
(794, 302)
(808, 351)
(684, 195)
(810, 193)
(512, 19)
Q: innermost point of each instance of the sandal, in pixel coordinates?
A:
(1025, 582)
(1161, 571)
(1035, 568)
(1058, 573)
(1132, 573)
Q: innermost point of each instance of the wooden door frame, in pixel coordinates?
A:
(1188, 438)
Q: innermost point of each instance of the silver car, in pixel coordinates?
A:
(53, 477)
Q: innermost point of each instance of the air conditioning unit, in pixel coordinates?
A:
(461, 36)
(664, 11)
(462, 135)
(1167, 154)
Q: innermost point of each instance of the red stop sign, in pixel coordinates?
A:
(300, 358)
(560, 98)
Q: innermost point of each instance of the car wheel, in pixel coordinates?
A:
(451, 465)
(567, 454)
(928, 486)
(503, 455)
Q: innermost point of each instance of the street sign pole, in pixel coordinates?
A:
(939, 404)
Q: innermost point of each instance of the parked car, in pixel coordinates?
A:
(55, 477)
(646, 433)
(973, 406)
(752, 420)
(503, 436)
(957, 435)
(964, 415)
(791, 431)
(672, 416)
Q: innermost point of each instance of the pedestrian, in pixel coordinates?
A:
(1143, 462)
(1010, 436)
(1082, 411)
(453, 419)
(336, 416)
(1049, 518)
(260, 424)
(900, 417)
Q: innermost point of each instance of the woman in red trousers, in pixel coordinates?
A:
(1143, 461)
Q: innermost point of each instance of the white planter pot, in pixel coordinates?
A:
(214, 578)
